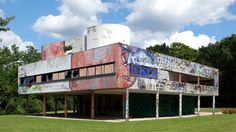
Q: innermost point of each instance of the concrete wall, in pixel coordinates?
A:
(52, 50)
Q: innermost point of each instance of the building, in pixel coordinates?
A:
(110, 77)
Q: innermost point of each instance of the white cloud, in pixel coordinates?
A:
(159, 21)
(9, 38)
(74, 17)
(170, 15)
(148, 38)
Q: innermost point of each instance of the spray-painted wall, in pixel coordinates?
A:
(52, 50)
(118, 71)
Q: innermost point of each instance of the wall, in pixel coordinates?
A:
(76, 43)
(46, 66)
(52, 50)
(105, 34)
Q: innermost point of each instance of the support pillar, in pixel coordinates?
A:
(55, 99)
(180, 105)
(44, 105)
(27, 104)
(198, 104)
(157, 104)
(126, 104)
(77, 104)
(65, 105)
(92, 105)
(123, 105)
(213, 105)
(73, 104)
(198, 98)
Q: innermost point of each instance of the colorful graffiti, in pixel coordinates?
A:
(53, 50)
(173, 86)
(44, 88)
(137, 56)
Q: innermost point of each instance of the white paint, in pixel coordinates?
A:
(46, 66)
(76, 43)
(105, 34)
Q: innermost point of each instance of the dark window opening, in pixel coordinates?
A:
(76, 73)
(49, 77)
(68, 74)
(44, 78)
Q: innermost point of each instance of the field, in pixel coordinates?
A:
(21, 123)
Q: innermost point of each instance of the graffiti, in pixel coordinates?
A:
(172, 86)
(143, 71)
(53, 50)
(45, 88)
(142, 57)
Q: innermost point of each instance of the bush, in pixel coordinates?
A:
(229, 111)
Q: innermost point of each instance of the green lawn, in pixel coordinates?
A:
(217, 123)
(209, 109)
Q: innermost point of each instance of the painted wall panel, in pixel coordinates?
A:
(101, 35)
(45, 88)
(46, 66)
(52, 50)
(76, 43)
(173, 86)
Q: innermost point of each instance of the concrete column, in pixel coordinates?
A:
(65, 105)
(157, 104)
(73, 104)
(180, 104)
(198, 105)
(55, 99)
(92, 105)
(180, 77)
(126, 104)
(213, 105)
(44, 105)
(27, 104)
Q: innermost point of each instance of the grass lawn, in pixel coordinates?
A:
(20, 123)
(209, 109)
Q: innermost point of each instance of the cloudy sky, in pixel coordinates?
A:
(193, 22)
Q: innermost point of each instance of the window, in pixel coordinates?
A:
(61, 75)
(75, 73)
(27, 80)
(90, 71)
(68, 74)
(99, 70)
(109, 68)
(38, 79)
(55, 76)
(82, 72)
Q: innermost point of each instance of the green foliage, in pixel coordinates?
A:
(183, 51)
(10, 59)
(164, 49)
(4, 22)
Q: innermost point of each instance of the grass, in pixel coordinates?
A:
(20, 123)
(209, 109)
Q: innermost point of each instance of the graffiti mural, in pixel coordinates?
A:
(52, 50)
(137, 56)
(172, 86)
(44, 88)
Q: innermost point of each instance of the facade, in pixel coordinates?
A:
(110, 77)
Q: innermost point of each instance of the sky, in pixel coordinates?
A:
(193, 22)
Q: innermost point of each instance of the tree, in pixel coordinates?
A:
(163, 49)
(183, 51)
(4, 22)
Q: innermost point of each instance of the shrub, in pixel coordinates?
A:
(229, 111)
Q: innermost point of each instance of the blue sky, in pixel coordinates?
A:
(39, 22)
